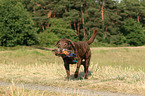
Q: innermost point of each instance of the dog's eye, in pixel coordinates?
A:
(65, 43)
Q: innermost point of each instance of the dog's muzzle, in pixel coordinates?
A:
(61, 50)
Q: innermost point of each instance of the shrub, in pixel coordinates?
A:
(16, 26)
(117, 39)
(63, 33)
(47, 39)
(62, 29)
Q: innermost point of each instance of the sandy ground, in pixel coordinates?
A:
(82, 92)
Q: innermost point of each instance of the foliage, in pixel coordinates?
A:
(58, 29)
(16, 26)
(62, 29)
(117, 39)
(76, 19)
(47, 39)
(134, 32)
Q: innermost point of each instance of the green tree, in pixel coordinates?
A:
(142, 15)
(41, 11)
(134, 32)
(62, 29)
(132, 9)
(74, 17)
(16, 26)
(110, 20)
(83, 16)
(93, 21)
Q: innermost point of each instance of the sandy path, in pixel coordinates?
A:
(66, 90)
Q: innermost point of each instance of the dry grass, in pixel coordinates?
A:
(13, 90)
(122, 56)
(102, 78)
(115, 70)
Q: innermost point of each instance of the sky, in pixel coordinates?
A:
(118, 0)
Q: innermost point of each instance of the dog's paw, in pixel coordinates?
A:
(76, 75)
(86, 77)
(66, 79)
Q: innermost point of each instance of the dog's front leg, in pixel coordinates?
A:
(66, 65)
(77, 69)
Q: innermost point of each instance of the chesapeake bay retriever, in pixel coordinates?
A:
(82, 51)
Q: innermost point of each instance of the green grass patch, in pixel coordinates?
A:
(124, 57)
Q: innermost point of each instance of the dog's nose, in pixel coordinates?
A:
(60, 50)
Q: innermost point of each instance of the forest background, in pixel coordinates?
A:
(43, 22)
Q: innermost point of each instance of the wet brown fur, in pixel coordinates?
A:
(82, 51)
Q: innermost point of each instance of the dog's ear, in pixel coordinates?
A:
(71, 43)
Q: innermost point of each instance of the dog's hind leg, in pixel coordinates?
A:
(86, 66)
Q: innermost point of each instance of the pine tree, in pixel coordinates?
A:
(41, 11)
(142, 12)
(92, 21)
(108, 16)
(81, 14)
(134, 32)
(132, 9)
(110, 19)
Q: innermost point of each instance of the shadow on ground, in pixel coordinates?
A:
(80, 76)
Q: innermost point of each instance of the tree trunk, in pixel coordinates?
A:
(54, 15)
(69, 6)
(137, 16)
(78, 25)
(75, 27)
(49, 13)
(102, 14)
(83, 21)
(42, 27)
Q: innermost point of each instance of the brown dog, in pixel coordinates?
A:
(82, 51)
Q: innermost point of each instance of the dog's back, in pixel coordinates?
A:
(83, 48)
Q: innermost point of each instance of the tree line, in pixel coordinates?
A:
(43, 22)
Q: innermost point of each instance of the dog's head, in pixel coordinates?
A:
(65, 44)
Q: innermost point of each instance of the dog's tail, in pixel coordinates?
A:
(91, 40)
